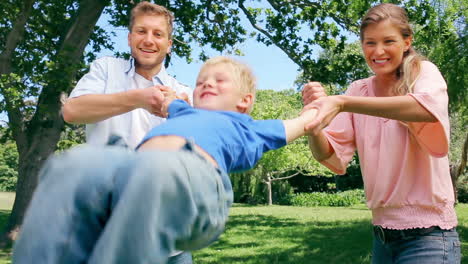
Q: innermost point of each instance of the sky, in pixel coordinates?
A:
(272, 68)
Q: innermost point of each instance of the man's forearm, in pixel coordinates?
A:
(93, 108)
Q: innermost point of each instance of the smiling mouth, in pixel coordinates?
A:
(147, 50)
(380, 61)
(206, 94)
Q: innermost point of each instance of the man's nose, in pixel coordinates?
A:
(148, 39)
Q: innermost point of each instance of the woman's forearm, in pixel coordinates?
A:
(403, 108)
(319, 146)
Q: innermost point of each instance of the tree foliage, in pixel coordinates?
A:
(279, 164)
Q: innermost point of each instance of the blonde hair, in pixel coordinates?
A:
(408, 72)
(241, 72)
(147, 8)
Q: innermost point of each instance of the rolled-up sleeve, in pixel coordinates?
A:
(340, 135)
(430, 91)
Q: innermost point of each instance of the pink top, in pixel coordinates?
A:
(404, 164)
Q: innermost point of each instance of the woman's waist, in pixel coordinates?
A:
(415, 216)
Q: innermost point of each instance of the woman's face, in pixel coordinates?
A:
(383, 46)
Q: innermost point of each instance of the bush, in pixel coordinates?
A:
(8, 178)
(346, 198)
(8, 167)
(462, 188)
(353, 177)
(308, 183)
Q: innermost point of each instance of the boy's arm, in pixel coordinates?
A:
(295, 128)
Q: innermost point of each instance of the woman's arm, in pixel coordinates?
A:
(403, 108)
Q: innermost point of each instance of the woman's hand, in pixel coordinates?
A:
(315, 97)
(328, 107)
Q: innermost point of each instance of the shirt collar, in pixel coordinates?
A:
(161, 78)
(131, 67)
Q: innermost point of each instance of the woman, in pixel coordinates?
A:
(398, 122)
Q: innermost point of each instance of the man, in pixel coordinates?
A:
(124, 97)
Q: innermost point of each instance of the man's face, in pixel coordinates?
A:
(217, 89)
(149, 42)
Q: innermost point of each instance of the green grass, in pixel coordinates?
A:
(287, 234)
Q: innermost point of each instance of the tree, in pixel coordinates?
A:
(293, 157)
(57, 34)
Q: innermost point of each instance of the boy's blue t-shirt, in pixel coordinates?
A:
(234, 140)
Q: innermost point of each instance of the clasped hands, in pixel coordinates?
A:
(315, 97)
(156, 99)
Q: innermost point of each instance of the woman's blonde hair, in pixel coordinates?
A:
(409, 69)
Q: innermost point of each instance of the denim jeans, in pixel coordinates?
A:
(182, 258)
(112, 205)
(436, 247)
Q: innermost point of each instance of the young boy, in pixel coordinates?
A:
(110, 205)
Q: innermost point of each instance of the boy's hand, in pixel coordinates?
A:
(312, 91)
(169, 96)
(183, 96)
(328, 107)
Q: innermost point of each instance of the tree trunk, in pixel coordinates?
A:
(457, 169)
(270, 191)
(38, 140)
(30, 163)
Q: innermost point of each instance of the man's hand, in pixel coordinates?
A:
(151, 99)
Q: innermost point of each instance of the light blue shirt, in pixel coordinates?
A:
(109, 75)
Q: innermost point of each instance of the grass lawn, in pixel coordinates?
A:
(287, 234)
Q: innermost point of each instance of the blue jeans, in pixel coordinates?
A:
(436, 247)
(112, 205)
(182, 258)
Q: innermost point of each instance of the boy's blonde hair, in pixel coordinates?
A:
(147, 8)
(244, 75)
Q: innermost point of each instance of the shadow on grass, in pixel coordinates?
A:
(267, 239)
(463, 232)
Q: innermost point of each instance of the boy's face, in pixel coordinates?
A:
(218, 89)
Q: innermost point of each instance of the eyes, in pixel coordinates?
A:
(373, 43)
(218, 80)
(156, 33)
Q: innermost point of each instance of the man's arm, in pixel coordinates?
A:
(295, 128)
(92, 108)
